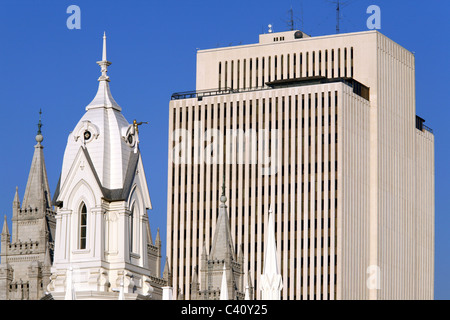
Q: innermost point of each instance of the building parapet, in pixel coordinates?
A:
(358, 88)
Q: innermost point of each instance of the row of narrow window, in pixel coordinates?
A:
(255, 72)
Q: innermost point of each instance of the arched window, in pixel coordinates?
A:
(83, 227)
(132, 229)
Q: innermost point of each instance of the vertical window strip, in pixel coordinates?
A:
(332, 63)
(351, 62)
(220, 75)
(276, 68)
(226, 74)
(295, 66)
(232, 74)
(257, 72)
(83, 227)
(307, 64)
(131, 228)
(238, 74)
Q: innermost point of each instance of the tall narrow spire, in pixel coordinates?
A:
(103, 98)
(104, 63)
(104, 47)
(271, 281)
(5, 230)
(37, 191)
(16, 201)
(222, 247)
(270, 263)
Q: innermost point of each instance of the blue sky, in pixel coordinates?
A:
(152, 45)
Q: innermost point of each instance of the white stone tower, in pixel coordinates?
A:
(102, 234)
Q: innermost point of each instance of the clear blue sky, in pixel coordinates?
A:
(152, 45)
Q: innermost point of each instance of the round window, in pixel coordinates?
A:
(87, 135)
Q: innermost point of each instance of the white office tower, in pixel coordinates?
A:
(325, 130)
(103, 245)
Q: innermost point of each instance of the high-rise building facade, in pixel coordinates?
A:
(324, 130)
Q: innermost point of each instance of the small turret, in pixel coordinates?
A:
(5, 240)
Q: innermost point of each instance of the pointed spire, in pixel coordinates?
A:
(270, 261)
(104, 47)
(195, 276)
(167, 274)
(158, 238)
(104, 64)
(248, 288)
(222, 247)
(204, 252)
(194, 281)
(271, 281)
(47, 258)
(37, 191)
(241, 254)
(149, 232)
(224, 286)
(16, 201)
(5, 230)
(103, 98)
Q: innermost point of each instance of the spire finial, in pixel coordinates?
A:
(223, 198)
(40, 123)
(104, 64)
(104, 47)
(39, 137)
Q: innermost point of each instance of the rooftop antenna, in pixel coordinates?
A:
(338, 16)
(291, 19)
(301, 14)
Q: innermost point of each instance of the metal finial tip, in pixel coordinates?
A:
(223, 198)
(39, 137)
